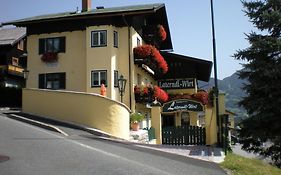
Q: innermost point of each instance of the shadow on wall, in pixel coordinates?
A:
(91, 110)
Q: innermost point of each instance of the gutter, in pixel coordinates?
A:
(129, 52)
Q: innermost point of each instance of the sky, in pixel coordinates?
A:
(189, 22)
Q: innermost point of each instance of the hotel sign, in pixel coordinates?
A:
(176, 84)
(182, 105)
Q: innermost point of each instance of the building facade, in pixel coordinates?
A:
(78, 52)
(13, 58)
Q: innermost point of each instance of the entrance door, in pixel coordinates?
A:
(168, 120)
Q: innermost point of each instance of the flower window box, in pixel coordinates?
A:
(49, 57)
(147, 94)
(150, 56)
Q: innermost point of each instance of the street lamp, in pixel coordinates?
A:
(121, 86)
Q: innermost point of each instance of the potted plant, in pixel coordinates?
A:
(135, 118)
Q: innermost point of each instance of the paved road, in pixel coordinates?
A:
(33, 150)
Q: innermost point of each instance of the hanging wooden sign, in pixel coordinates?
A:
(182, 105)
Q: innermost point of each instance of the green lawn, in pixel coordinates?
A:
(243, 166)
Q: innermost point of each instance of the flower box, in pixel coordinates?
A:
(150, 56)
(201, 96)
(148, 94)
(49, 57)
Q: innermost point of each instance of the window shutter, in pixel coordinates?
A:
(62, 44)
(41, 46)
(62, 80)
(41, 81)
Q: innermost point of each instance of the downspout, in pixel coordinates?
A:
(129, 52)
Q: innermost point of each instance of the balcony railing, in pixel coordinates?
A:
(10, 69)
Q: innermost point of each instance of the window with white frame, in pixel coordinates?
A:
(115, 39)
(52, 81)
(115, 78)
(98, 77)
(99, 38)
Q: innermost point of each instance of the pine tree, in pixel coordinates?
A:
(261, 132)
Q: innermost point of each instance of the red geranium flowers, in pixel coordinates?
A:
(49, 57)
(147, 52)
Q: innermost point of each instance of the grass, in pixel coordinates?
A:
(239, 165)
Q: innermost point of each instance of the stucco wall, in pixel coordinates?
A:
(211, 125)
(87, 109)
(72, 62)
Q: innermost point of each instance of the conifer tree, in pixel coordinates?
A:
(261, 132)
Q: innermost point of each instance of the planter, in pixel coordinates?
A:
(49, 57)
(149, 93)
(135, 126)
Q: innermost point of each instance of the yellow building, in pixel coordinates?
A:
(70, 55)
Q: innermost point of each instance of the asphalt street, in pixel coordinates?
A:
(33, 150)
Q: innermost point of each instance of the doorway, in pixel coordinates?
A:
(168, 120)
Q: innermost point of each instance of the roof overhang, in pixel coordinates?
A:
(181, 66)
(135, 16)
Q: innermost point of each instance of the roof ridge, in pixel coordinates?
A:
(91, 12)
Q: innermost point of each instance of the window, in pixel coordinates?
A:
(115, 78)
(185, 118)
(115, 39)
(138, 79)
(138, 42)
(99, 78)
(15, 61)
(52, 81)
(52, 45)
(98, 38)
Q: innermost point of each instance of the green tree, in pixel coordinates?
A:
(261, 132)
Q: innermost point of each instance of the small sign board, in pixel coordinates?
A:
(182, 105)
(176, 84)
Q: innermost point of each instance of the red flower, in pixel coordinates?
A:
(145, 90)
(143, 51)
(162, 33)
(202, 96)
(49, 57)
(160, 60)
(150, 52)
(160, 94)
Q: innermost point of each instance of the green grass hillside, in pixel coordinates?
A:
(238, 165)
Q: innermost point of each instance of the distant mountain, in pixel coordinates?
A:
(231, 86)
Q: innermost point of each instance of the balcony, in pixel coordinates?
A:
(149, 58)
(12, 70)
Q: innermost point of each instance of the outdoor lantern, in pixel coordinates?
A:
(121, 86)
(25, 73)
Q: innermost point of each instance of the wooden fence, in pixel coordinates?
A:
(184, 135)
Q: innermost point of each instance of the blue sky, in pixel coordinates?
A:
(189, 22)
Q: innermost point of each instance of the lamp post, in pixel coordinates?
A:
(121, 86)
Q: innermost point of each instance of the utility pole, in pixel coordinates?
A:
(216, 90)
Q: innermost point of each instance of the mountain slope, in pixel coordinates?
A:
(231, 86)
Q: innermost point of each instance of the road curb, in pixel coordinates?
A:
(37, 123)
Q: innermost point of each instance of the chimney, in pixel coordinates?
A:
(86, 5)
